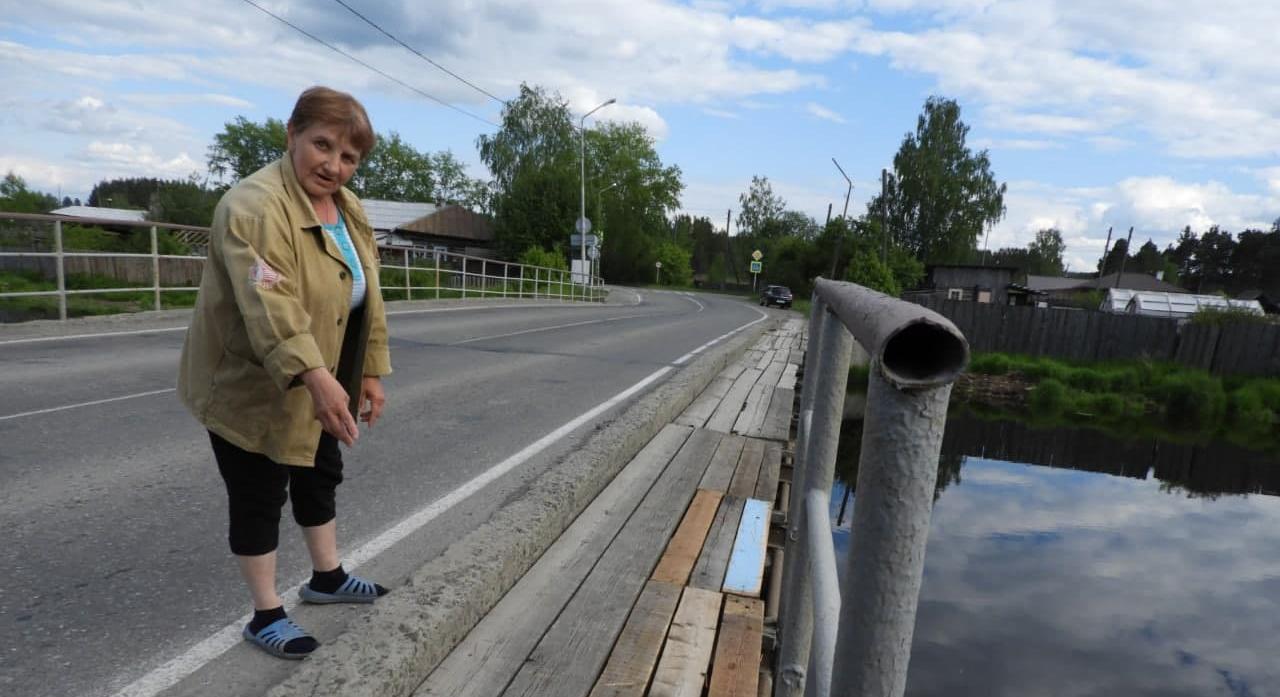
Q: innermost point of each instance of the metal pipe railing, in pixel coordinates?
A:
(915, 356)
(467, 282)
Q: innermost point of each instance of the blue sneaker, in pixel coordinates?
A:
(353, 590)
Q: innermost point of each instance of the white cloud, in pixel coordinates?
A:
(140, 160)
(824, 113)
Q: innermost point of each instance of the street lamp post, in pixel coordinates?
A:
(600, 233)
(582, 171)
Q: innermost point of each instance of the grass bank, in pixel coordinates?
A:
(80, 305)
(1125, 398)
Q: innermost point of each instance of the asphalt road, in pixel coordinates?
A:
(115, 559)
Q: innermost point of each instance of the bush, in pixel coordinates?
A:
(991, 364)
(1050, 397)
(1191, 400)
(1222, 316)
(858, 376)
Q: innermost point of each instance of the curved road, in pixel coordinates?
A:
(118, 579)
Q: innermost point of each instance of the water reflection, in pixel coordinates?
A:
(1059, 564)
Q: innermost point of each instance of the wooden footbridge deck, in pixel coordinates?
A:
(660, 586)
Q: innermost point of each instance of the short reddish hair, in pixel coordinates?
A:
(322, 105)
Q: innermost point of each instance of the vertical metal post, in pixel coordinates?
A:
(484, 277)
(897, 473)
(155, 266)
(536, 273)
(821, 406)
(506, 270)
(464, 276)
(60, 266)
(408, 286)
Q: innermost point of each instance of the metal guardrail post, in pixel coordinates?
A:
(830, 377)
(915, 356)
(408, 286)
(437, 284)
(826, 592)
(484, 277)
(155, 266)
(60, 270)
(506, 289)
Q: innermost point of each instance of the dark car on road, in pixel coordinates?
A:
(776, 295)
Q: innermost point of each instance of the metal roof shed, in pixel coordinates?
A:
(1116, 300)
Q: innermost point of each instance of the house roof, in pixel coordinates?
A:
(1134, 281)
(92, 212)
(1051, 283)
(393, 215)
(988, 267)
(1129, 281)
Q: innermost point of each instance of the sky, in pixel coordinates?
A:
(1097, 114)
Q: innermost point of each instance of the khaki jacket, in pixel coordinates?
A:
(274, 302)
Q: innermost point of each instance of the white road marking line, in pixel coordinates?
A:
(694, 300)
(197, 656)
(86, 404)
(229, 636)
(544, 329)
(93, 336)
(426, 311)
(718, 339)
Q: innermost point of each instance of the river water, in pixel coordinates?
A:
(1067, 562)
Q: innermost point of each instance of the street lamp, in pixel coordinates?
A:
(600, 214)
(582, 164)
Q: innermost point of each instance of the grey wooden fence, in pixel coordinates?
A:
(1086, 335)
(130, 270)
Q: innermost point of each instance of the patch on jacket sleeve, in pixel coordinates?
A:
(263, 276)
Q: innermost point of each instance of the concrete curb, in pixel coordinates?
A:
(389, 651)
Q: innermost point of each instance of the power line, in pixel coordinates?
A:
(419, 54)
(394, 79)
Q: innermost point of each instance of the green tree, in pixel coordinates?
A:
(866, 269)
(1148, 260)
(1111, 264)
(1045, 253)
(395, 171)
(940, 197)
(15, 197)
(185, 202)
(244, 147)
(1216, 249)
(1256, 261)
(676, 267)
(760, 209)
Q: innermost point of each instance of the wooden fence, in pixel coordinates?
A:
(1085, 335)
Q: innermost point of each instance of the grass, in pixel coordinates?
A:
(1141, 396)
(80, 305)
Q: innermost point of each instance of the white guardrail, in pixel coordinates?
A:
(406, 273)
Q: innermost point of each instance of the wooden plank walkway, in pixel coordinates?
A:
(633, 597)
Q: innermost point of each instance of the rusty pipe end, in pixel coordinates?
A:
(923, 354)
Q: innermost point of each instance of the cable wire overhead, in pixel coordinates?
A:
(390, 77)
(419, 54)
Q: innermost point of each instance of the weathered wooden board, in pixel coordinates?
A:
(735, 670)
(767, 483)
(683, 549)
(708, 573)
(788, 379)
(745, 575)
(731, 406)
(686, 657)
(748, 470)
(754, 411)
(704, 406)
(777, 422)
(635, 656)
(719, 473)
(497, 647)
(568, 658)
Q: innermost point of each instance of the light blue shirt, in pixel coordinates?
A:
(338, 233)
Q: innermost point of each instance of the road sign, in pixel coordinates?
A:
(583, 226)
(756, 266)
(576, 240)
(593, 253)
(657, 264)
(757, 255)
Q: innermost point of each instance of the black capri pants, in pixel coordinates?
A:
(257, 488)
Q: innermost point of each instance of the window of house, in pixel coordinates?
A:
(955, 294)
(984, 296)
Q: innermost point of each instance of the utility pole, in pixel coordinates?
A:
(844, 218)
(1123, 258)
(824, 225)
(884, 225)
(1102, 265)
(728, 247)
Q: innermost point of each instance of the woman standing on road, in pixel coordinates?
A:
(287, 344)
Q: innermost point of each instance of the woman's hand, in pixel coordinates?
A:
(371, 399)
(330, 402)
